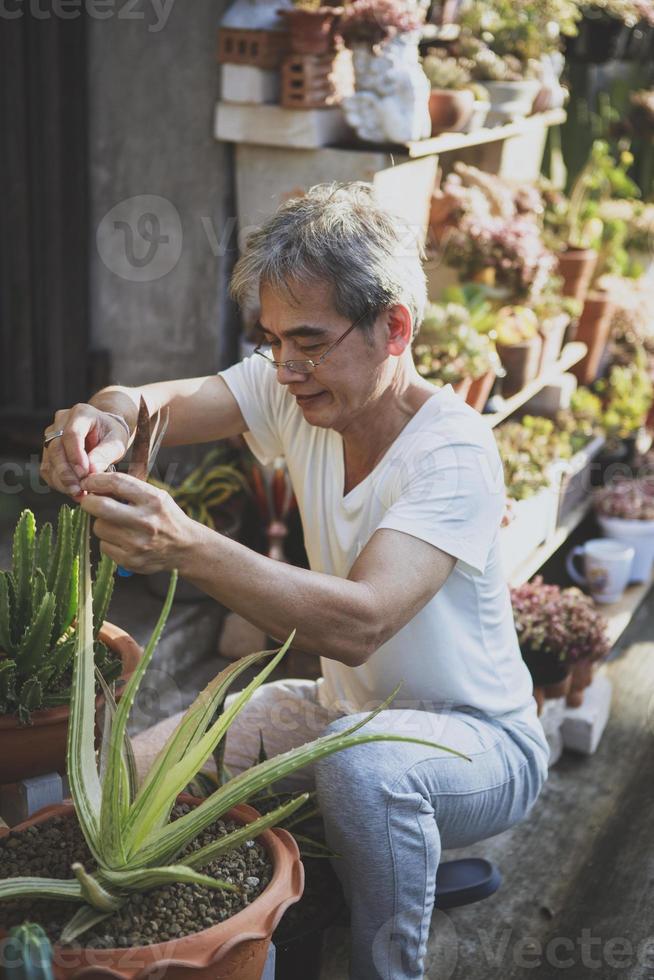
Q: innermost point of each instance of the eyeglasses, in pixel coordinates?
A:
(306, 365)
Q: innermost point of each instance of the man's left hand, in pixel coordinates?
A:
(139, 526)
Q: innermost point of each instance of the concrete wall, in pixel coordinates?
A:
(161, 191)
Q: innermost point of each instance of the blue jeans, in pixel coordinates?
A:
(391, 807)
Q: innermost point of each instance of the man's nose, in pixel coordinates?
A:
(286, 376)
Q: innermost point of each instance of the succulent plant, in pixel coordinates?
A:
(134, 844)
(448, 348)
(445, 72)
(27, 954)
(374, 21)
(627, 396)
(528, 449)
(38, 602)
(632, 500)
(562, 624)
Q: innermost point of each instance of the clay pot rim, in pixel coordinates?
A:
(577, 254)
(53, 716)
(310, 11)
(275, 840)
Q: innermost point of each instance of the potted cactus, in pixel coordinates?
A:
(38, 631)
(147, 876)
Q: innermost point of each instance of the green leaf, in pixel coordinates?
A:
(83, 920)
(7, 678)
(43, 555)
(35, 644)
(93, 892)
(145, 879)
(31, 694)
(39, 589)
(23, 564)
(112, 828)
(6, 639)
(83, 777)
(28, 887)
(102, 591)
(62, 655)
(61, 574)
(167, 784)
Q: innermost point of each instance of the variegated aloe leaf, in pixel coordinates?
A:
(28, 887)
(93, 892)
(145, 879)
(102, 590)
(168, 784)
(116, 789)
(165, 844)
(128, 752)
(85, 918)
(192, 727)
(83, 776)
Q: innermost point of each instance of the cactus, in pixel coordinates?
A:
(38, 604)
(28, 954)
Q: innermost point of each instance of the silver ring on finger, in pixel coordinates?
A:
(52, 435)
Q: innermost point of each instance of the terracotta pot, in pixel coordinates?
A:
(580, 679)
(450, 111)
(462, 387)
(311, 31)
(520, 362)
(576, 266)
(593, 329)
(236, 948)
(480, 389)
(41, 747)
(560, 689)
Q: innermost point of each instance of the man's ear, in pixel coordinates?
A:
(400, 330)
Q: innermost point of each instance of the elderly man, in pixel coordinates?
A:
(400, 489)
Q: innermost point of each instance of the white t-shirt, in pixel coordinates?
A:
(441, 481)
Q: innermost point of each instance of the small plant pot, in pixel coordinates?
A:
(40, 748)
(593, 330)
(576, 266)
(640, 535)
(510, 100)
(311, 31)
(450, 111)
(235, 948)
(480, 390)
(520, 361)
(551, 675)
(581, 678)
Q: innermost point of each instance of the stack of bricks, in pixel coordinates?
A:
(316, 81)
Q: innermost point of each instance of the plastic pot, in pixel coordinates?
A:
(40, 748)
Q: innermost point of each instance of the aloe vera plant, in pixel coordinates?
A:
(132, 840)
(38, 605)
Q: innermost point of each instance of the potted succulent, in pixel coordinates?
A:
(312, 26)
(449, 350)
(625, 512)
(626, 400)
(38, 632)
(108, 850)
(211, 494)
(391, 98)
(519, 346)
(511, 84)
(452, 99)
(561, 635)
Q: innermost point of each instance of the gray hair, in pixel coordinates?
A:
(337, 234)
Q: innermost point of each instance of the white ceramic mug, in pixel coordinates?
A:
(607, 567)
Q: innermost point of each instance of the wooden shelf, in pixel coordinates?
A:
(571, 354)
(447, 142)
(538, 557)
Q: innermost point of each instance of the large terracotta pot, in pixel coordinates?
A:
(480, 389)
(576, 266)
(593, 329)
(41, 747)
(520, 362)
(236, 948)
(311, 31)
(449, 110)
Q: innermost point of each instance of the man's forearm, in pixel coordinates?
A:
(333, 617)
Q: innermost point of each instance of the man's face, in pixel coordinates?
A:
(351, 377)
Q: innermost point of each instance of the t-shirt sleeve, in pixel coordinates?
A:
(452, 496)
(260, 399)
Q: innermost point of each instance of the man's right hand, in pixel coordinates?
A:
(91, 442)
